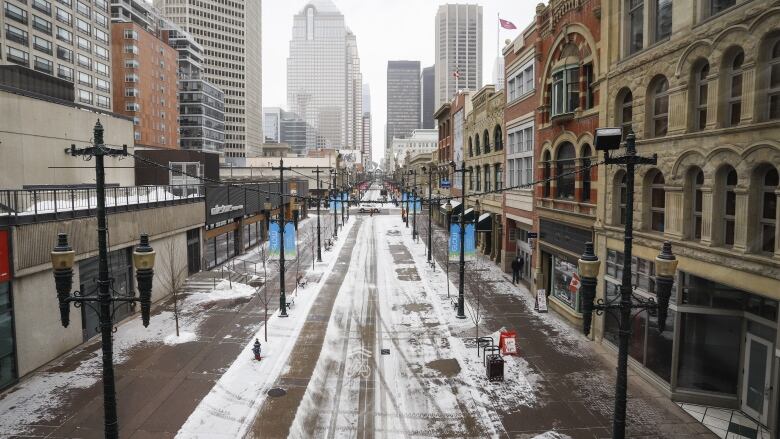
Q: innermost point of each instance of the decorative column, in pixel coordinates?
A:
(674, 215)
(706, 215)
(741, 219)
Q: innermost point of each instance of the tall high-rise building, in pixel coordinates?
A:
(40, 34)
(458, 50)
(428, 100)
(366, 146)
(230, 33)
(403, 99)
(145, 74)
(323, 77)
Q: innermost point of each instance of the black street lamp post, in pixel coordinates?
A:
(588, 267)
(319, 201)
(282, 220)
(430, 209)
(62, 259)
(462, 268)
(413, 173)
(332, 205)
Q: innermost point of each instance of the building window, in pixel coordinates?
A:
(471, 147)
(103, 85)
(64, 54)
(586, 182)
(564, 171)
(83, 44)
(621, 194)
(7, 343)
(83, 9)
(103, 102)
(734, 90)
(498, 176)
(41, 25)
(101, 68)
(44, 65)
(64, 17)
(85, 97)
(132, 106)
(728, 203)
(85, 79)
(521, 82)
(15, 13)
(478, 174)
(16, 34)
(131, 92)
(471, 178)
(695, 183)
(562, 274)
(486, 170)
(657, 202)
(131, 34)
(663, 19)
(625, 107)
(17, 56)
(565, 90)
(511, 174)
(83, 26)
(636, 29)
(589, 85)
(700, 90)
(476, 145)
(659, 101)
(101, 36)
(546, 174)
(64, 35)
(498, 138)
(486, 141)
(773, 92)
(131, 48)
(768, 181)
(101, 52)
(715, 7)
(64, 72)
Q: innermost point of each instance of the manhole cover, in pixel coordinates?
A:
(276, 392)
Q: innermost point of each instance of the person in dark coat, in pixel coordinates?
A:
(517, 267)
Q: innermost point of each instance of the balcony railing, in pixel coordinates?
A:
(23, 206)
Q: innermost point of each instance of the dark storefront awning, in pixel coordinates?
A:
(457, 208)
(469, 216)
(485, 223)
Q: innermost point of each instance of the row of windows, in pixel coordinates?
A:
(476, 148)
(762, 199)
(730, 93)
(485, 178)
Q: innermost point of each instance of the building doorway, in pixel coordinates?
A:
(756, 388)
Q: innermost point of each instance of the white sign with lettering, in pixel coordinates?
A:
(225, 208)
(541, 300)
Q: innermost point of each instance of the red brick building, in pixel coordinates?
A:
(144, 72)
(568, 76)
(521, 61)
(450, 119)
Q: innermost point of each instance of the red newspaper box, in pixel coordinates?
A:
(507, 343)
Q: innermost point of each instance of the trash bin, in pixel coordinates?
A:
(495, 368)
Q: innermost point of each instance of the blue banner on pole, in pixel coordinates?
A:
(403, 197)
(454, 253)
(469, 242)
(290, 245)
(274, 240)
(470, 250)
(418, 205)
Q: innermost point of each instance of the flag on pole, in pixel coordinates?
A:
(506, 24)
(456, 74)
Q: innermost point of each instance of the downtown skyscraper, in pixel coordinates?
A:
(324, 83)
(458, 50)
(403, 99)
(230, 33)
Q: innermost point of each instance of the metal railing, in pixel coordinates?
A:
(21, 206)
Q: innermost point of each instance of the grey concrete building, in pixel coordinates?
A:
(458, 50)
(428, 99)
(403, 99)
(230, 33)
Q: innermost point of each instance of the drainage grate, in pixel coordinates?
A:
(276, 392)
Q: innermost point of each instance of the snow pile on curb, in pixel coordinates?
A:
(184, 337)
(551, 435)
(223, 291)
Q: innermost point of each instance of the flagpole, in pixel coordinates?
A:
(498, 31)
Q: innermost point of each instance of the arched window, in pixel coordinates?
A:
(695, 183)
(476, 145)
(486, 141)
(564, 167)
(471, 178)
(471, 148)
(657, 202)
(727, 179)
(700, 95)
(734, 90)
(620, 195)
(625, 107)
(585, 160)
(768, 218)
(486, 170)
(659, 107)
(498, 138)
(773, 91)
(546, 173)
(478, 175)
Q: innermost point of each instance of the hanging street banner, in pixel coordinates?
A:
(403, 197)
(418, 205)
(290, 241)
(454, 255)
(274, 240)
(470, 245)
(470, 251)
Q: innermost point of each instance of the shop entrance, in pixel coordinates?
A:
(756, 388)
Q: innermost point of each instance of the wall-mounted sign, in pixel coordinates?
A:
(225, 208)
(5, 257)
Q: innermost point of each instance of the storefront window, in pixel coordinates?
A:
(709, 352)
(211, 253)
(658, 356)
(704, 292)
(561, 283)
(7, 355)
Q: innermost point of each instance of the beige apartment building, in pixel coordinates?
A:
(699, 84)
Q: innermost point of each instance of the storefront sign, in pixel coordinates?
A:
(532, 235)
(5, 257)
(444, 184)
(574, 285)
(541, 300)
(225, 208)
(507, 343)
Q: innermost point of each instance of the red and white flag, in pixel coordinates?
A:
(456, 74)
(506, 24)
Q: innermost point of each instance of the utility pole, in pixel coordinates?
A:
(319, 201)
(414, 204)
(430, 210)
(404, 213)
(462, 275)
(282, 221)
(333, 201)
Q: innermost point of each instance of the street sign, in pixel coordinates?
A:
(444, 183)
(541, 300)
(532, 235)
(385, 351)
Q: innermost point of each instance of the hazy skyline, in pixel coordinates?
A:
(385, 30)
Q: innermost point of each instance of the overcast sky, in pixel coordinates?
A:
(385, 30)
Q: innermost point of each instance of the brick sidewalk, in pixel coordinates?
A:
(576, 376)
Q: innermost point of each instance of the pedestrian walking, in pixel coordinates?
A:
(517, 268)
